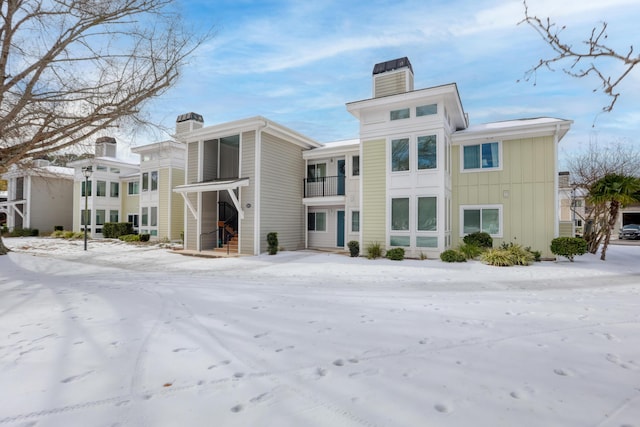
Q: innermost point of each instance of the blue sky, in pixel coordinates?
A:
(299, 63)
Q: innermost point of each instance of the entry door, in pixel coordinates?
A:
(341, 178)
(340, 236)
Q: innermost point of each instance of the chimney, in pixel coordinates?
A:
(106, 147)
(188, 122)
(392, 77)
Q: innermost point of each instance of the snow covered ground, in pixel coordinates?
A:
(125, 335)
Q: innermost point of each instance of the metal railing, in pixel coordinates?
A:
(324, 186)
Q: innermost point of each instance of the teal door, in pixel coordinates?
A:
(340, 236)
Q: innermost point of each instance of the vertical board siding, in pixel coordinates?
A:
(164, 175)
(190, 232)
(210, 160)
(281, 195)
(248, 194)
(528, 177)
(77, 201)
(177, 206)
(51, 203)
(373, 174)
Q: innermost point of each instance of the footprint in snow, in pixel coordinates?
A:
(75, 377)
(440, 407)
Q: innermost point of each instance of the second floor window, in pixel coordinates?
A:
(115, 189)
(154, 180)
(400, 155)
(86, 191)
(145, 181)
(355, 166)
(427, 152)
(101, 188)
(481, 156)
(134, 187)
(316, 171)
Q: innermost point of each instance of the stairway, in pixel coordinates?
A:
(231, 246)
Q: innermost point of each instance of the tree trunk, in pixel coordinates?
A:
(613, 216)
(3, 249)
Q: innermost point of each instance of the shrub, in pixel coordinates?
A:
(470, 250)
(395, 254)
(374, 250)
(498, 257)
(568, 247)
(24, 232)
(537, 255)
(354, 248)
(479, 238)
(520, 255)
(72, 235)
(130, 238)
(58, 228)
(451, 255)
(145, 237)
(272, 241)
(113, 230)
(423, 256)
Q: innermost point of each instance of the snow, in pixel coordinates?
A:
(126, 335)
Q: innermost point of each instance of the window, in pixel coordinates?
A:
(576, 203)
(355, 221)
(317, 221)
(426, 241)
(482, 156)
(314, 172)
(100, 216)
(88, 189)
(145, 181)
(400, 214)
(400, 155)
(115, 189)
(134, 187)
(427, 152)
(85, 217)
(133, 219)
(399, 240)
(115, 170)
(427, 213)
(145, 216)
(355, 166)
(578, 222)
(101, 188)
(154, 180)
(101, 168)
(487, 219)
(153, 232)
(113, 216)
(426, 110)
(153, 220)
(400, 114)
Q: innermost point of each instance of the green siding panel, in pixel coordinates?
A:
(373, 175)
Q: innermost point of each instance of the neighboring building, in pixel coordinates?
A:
(161, 170)
(572, 206)
(3, 209)
(243, 181)
(106, 191)
(122, 191)
(39, 196)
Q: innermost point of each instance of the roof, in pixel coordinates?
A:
(529, 127)
(48, 171)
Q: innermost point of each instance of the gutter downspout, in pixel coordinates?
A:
(556, 227)
(257, 189)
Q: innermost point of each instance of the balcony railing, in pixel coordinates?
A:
(325, 186)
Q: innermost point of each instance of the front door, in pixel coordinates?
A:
(341, 178)
(340, 236)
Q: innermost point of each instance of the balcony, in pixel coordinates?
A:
(325, 186)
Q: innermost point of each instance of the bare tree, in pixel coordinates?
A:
(588, 167)
(70, 69)
(586, 59)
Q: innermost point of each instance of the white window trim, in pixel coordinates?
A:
(351, 211)
(500, 161)
(476, 207)
(326, 221)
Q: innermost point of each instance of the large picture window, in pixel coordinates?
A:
(485, 218)
(154, 180)
(101, 189)
(481, 156)
(400, 214)
(400, 155)
(317, 221)
(427, 213)
(427, 152)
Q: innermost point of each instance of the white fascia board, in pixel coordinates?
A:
(513, 130)
(246, 125)
(326, 152)
(156, 146)
(402, 98)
